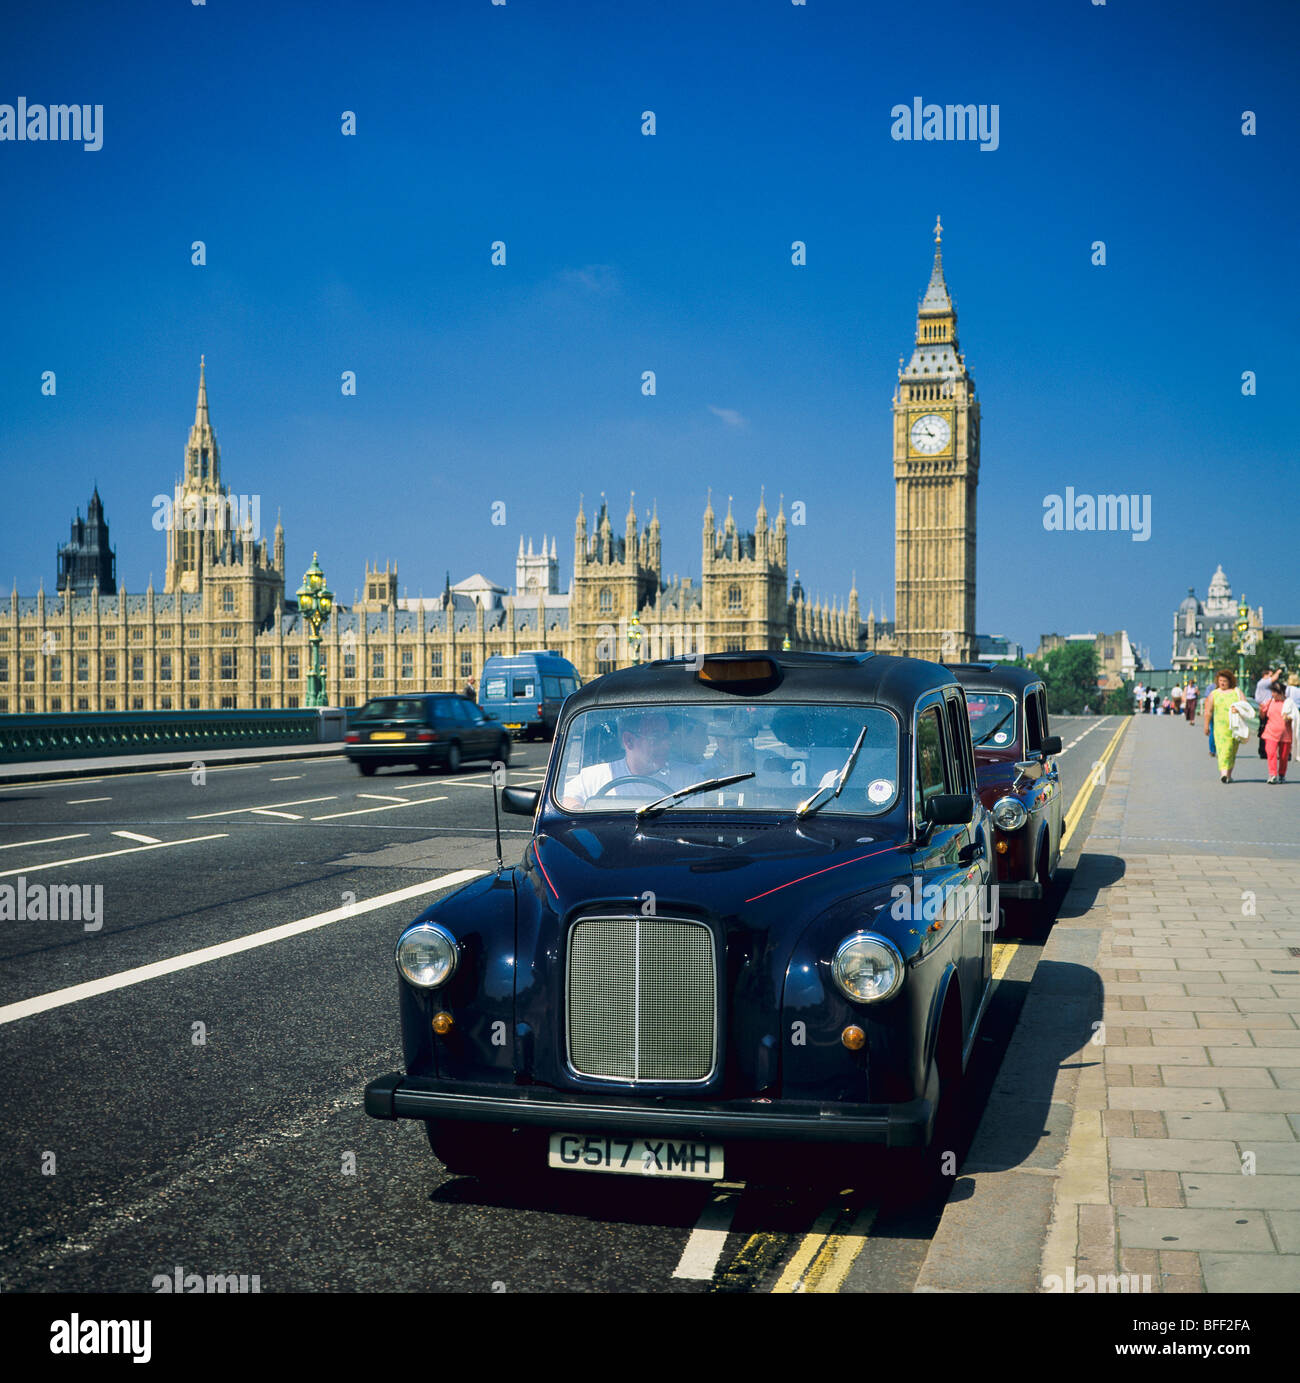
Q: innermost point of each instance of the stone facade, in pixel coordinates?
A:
(224, 634)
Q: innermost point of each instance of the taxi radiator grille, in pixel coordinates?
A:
(642, 999)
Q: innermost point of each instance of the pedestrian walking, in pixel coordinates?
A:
(1278, 722)
(1189, 699)
(1220, 706)
(468, 693)
(1176, 698)
(1263, 693)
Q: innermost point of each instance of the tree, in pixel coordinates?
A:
(1071, 676)
(1271, 651)
(1120, 701)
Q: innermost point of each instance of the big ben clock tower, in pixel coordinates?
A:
(936, 470)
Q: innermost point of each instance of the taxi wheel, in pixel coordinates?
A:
(482, 1150)
(367, 769)
(460, 1147)
(503, 749)
(453, 758)
(937, 1165)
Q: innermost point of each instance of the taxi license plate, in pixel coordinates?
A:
(668, 1157)
(388, 734)
(515, 725)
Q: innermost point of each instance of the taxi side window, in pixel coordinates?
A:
(933, 773)
(959, 729)
(1033, 725)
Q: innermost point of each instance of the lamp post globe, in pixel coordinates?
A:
(315, 601)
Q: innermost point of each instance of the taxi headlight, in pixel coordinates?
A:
(867, 967)
(426, 955)
(1009, 814)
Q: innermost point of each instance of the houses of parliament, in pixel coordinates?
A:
(224, 633)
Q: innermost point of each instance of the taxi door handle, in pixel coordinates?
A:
(973, 851)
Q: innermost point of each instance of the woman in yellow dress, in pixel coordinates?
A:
(1217, 706)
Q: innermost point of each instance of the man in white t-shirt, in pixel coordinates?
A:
(645, 737)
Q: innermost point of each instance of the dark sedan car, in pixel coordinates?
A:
(437, 730)
(753, 911)
(1018, 782)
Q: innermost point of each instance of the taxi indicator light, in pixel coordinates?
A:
(443, 1023)
(853, 1038)
(1001, 847)
(736, 670)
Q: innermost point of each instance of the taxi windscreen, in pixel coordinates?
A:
(992, 719)
(621, 758)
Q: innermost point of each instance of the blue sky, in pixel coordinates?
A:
(670, 253)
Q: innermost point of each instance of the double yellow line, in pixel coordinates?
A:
(1080, 803)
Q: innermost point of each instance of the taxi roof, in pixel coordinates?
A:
(868, 678)
(994, 677)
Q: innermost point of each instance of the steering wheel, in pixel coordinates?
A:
(658, 784)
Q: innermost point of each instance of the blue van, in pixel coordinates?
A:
(525, 691)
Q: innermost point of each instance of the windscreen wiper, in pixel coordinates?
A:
(833, 789)
(663, 803)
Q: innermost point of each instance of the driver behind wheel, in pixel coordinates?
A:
(645, 737)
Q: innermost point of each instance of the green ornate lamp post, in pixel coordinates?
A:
(785, 644)
(1243, 624)
(315, 601)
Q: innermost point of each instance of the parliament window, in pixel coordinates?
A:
(606, 599)
(349, 663)
(408, 664)
(56, 703)
(227, 703)
(83, 667)
(228, 666)
(435, 664)
(293, 673)
(733, 598)
(4, 669)
(264, 665)
(137, 703)
(137, 667)
(467, 662)
(83, 703)
(110, 667)
(377, 663)
(227, 600)
(110, 635)
(165, 703)
(165, 667)
(193, 673)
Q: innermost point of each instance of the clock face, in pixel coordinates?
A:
(930, 434)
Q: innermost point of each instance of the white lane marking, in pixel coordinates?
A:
(108, 854)
(269, 811)
(709, 1237)
(75, 993)
(50, 783)
(1077, 738)
(81, 801)
(292, 778)
(46, 840)
(380, 797)
(410, 802)
(234, 811)
(131, 835)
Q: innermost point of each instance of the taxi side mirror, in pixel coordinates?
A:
(1052, 744)
(520, 801)
(950, 809)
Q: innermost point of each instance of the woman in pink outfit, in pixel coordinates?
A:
(1275, 731)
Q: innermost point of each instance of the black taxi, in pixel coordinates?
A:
(1018, 782)
(753, 907)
